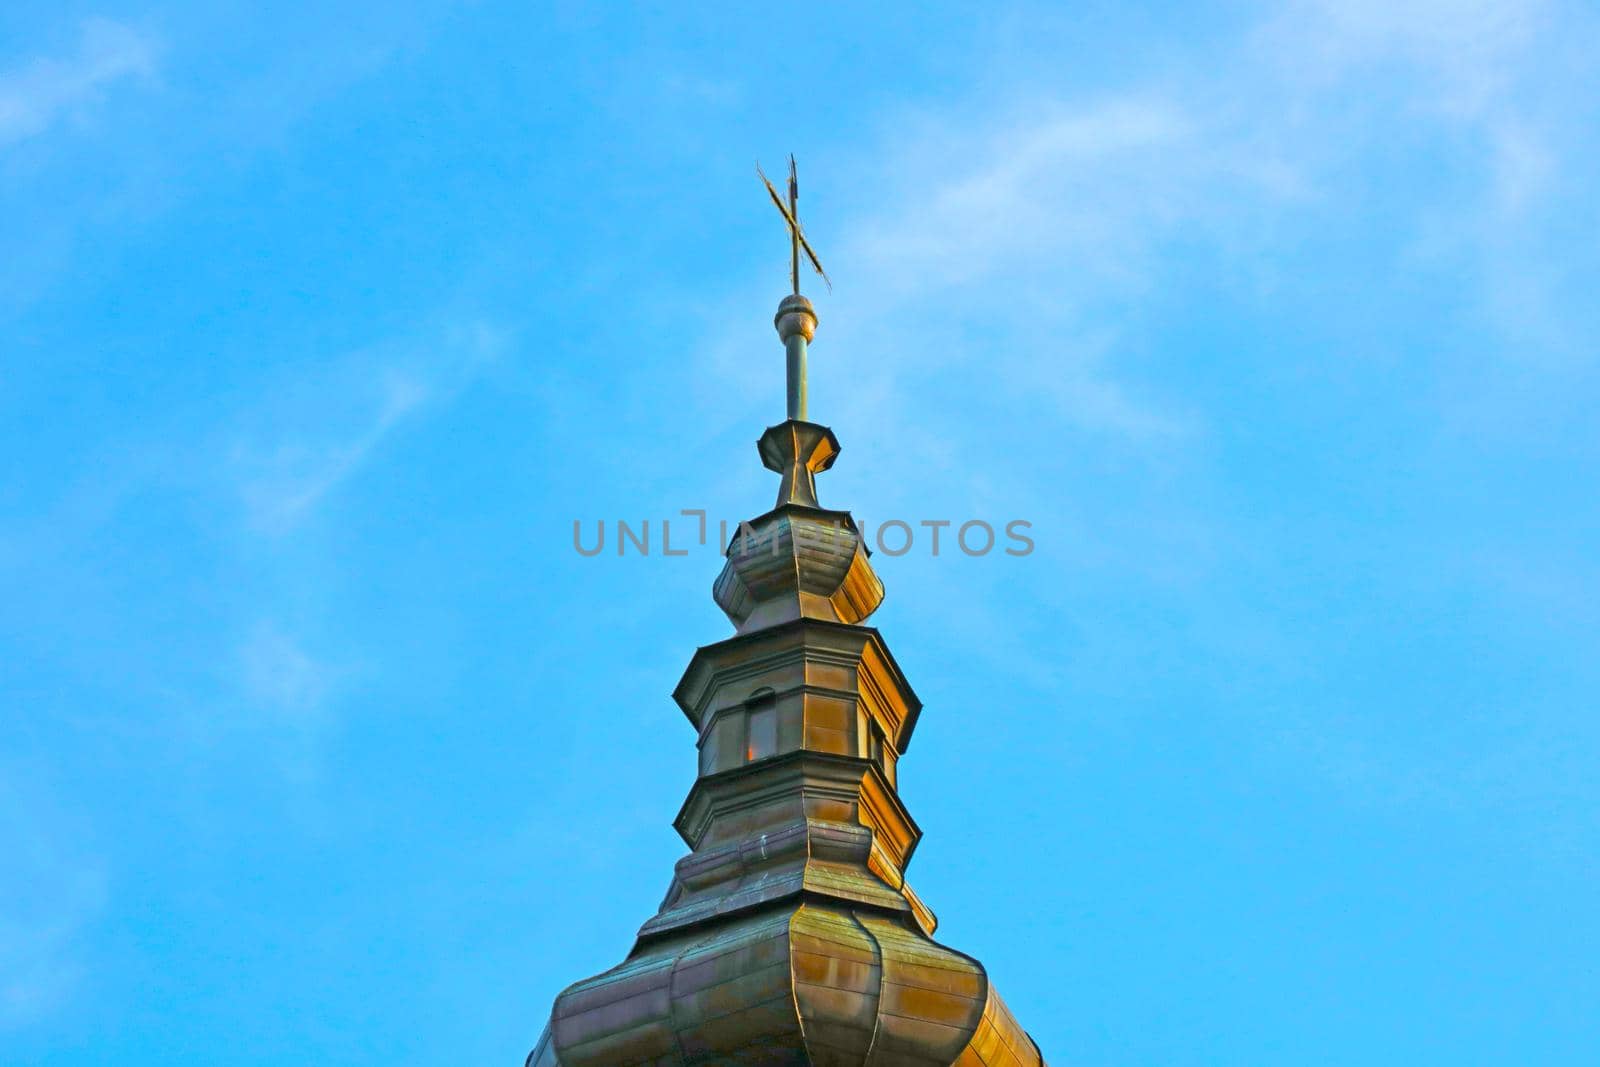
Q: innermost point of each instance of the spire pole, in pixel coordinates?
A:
(797, 325)
(796, 320)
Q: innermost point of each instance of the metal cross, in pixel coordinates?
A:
(797, 237)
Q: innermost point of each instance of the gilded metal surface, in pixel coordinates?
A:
(797, 563)
(798, 451)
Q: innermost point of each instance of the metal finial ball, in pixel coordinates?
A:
(796, 316)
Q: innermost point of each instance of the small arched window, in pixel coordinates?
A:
(761, 734)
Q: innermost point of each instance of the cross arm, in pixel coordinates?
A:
(794, 227)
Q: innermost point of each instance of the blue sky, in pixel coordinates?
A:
(322, 325)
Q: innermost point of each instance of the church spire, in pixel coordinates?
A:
(788, 935)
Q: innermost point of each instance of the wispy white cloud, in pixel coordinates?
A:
(282, 678)
(1514, 83)
(1467, 53)
(1044, 217)
(1472, 62)
(298, 472)
(1060, 179)
(37, 95)
(288, 696)
(315, 440)
(50, 894)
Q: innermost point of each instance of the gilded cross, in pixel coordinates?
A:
(797, 237)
